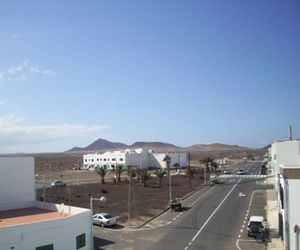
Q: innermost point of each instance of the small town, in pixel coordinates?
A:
(149, 125)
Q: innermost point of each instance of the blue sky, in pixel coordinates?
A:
(183, 72)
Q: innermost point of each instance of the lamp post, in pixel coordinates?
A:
(101, 199)
(167, 159)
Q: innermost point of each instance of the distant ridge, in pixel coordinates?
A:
(102, 144)
(216, 146)
(143, 144)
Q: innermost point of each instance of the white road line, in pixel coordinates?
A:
(200, 230)
(186, 248)
(237, 245)
(241, 231)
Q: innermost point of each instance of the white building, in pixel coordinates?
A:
(285, 163)
(27, 224)
(136, 157)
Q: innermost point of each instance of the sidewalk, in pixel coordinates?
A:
(272, 218)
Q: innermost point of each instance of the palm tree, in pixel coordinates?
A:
(130, 171)
(101, 171)
(208, 161)
(119, 170)
(144, 175)
(159, 172)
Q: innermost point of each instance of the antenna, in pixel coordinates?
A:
(290, 133)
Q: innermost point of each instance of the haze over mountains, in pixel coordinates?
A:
(102, 144)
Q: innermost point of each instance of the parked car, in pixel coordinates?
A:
(241, 171)
(257, 225)
(105, 219)
(58, 184)
(227, 171)
(213, 177)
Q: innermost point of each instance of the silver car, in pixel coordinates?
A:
(104, 219)
(58, 184)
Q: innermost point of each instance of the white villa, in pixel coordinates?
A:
(27, 224)
(136, 157)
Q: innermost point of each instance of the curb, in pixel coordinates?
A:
(167, 208)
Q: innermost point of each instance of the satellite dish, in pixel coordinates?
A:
(103, 199)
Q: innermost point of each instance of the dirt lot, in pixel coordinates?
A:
(146, 201)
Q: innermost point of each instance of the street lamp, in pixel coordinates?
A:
(101, 199)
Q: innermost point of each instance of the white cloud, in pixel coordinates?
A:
(2, 103)
(4, 35)
(13, 133)
(22, 72)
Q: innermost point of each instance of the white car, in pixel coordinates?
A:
(256, 225)
(58, 184)
(104, 219)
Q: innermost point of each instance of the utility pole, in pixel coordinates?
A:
(204, 174)
(129, 194)
(189, 170)
(290, 133)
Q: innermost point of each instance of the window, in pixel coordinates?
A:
(85, 160)
(92, 160)
(98, 159)
(104, 159)
(121, 159)
(46, 247)
(80, 241)
(113, 159)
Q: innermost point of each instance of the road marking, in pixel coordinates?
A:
(237, 245)
(241, 231)
(213, 213)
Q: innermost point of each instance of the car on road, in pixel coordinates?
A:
(256, 225)
(175, 204)
(58, 183)
(241, 171)
(213, 177)
(227, 171)
(105, 219)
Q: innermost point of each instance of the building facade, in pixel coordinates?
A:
(27, 224)
(285, 165)
(140, 158)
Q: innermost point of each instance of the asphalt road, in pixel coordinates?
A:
(215, 217)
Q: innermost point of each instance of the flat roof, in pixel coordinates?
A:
(27, 215)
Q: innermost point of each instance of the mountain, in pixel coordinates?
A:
(102, 144)
(143, 144)
(215, 147)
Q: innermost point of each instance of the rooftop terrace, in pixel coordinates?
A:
(27, 215)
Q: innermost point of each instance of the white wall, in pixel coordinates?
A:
(293, 208)
(61, 232)
(286, 153)
(16, 182)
